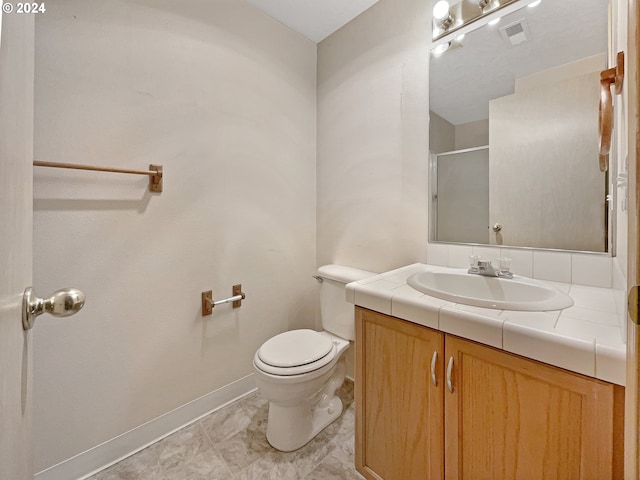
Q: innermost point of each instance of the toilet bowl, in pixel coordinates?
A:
(299, 371)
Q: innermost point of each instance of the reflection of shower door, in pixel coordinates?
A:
(461, 196)
(537, 161)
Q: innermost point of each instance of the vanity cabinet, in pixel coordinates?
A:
(399, 411)
(432, 405)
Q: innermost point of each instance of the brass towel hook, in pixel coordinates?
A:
(612, 76)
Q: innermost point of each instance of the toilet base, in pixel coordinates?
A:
(290, 427)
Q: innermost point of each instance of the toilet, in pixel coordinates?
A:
(299, 371)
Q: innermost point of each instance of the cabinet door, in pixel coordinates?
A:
(399, 431)
(512, 418)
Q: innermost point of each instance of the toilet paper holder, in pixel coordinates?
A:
(208, 304)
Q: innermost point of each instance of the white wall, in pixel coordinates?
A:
(446, 137)
(472, 134)
(373, 138)
(442, 134)
(561, 73)
(225, 98)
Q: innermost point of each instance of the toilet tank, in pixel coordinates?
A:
(336, 313)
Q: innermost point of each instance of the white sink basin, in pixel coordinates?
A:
(519, 293)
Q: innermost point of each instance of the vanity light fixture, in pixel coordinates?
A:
(462, 16)
(534, 3)
(495, 21)
(487, 5)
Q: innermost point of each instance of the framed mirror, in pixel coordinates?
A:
(514, 131)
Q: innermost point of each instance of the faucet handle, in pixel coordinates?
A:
(473, 263)
(504, 264)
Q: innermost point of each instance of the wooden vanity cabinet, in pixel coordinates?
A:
(399, 411)
(506, 417)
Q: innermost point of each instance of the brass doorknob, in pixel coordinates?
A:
(62, 303)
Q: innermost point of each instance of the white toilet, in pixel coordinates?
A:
(299, 371)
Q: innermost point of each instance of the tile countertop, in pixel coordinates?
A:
(585, 338)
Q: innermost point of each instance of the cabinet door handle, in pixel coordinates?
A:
(434, 359)
(449, 370)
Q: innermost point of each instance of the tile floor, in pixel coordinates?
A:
(230, 444)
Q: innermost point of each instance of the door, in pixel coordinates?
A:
(461, 196)
(16, 157)
(632, 418)
(507, 417)
(399, 389)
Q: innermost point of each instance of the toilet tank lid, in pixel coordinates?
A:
(344, 274)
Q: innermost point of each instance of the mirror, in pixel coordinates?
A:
(514, 131)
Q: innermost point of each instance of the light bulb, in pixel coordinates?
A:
(494, 21)
(534, 4)
(487, 5)
(440, 49)
(441, 10)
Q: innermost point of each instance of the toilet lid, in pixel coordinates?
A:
(295, 348)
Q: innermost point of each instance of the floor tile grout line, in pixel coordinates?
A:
(215, 449)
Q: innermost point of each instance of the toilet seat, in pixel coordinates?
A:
(295, 352)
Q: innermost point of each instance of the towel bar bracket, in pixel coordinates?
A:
(207, 303)
(237, 290)
(155, 181)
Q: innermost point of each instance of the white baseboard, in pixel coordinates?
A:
(112, 451)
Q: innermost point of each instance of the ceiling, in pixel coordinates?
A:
(462, 82)
(315, 19)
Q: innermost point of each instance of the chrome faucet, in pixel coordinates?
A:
(486, 269)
